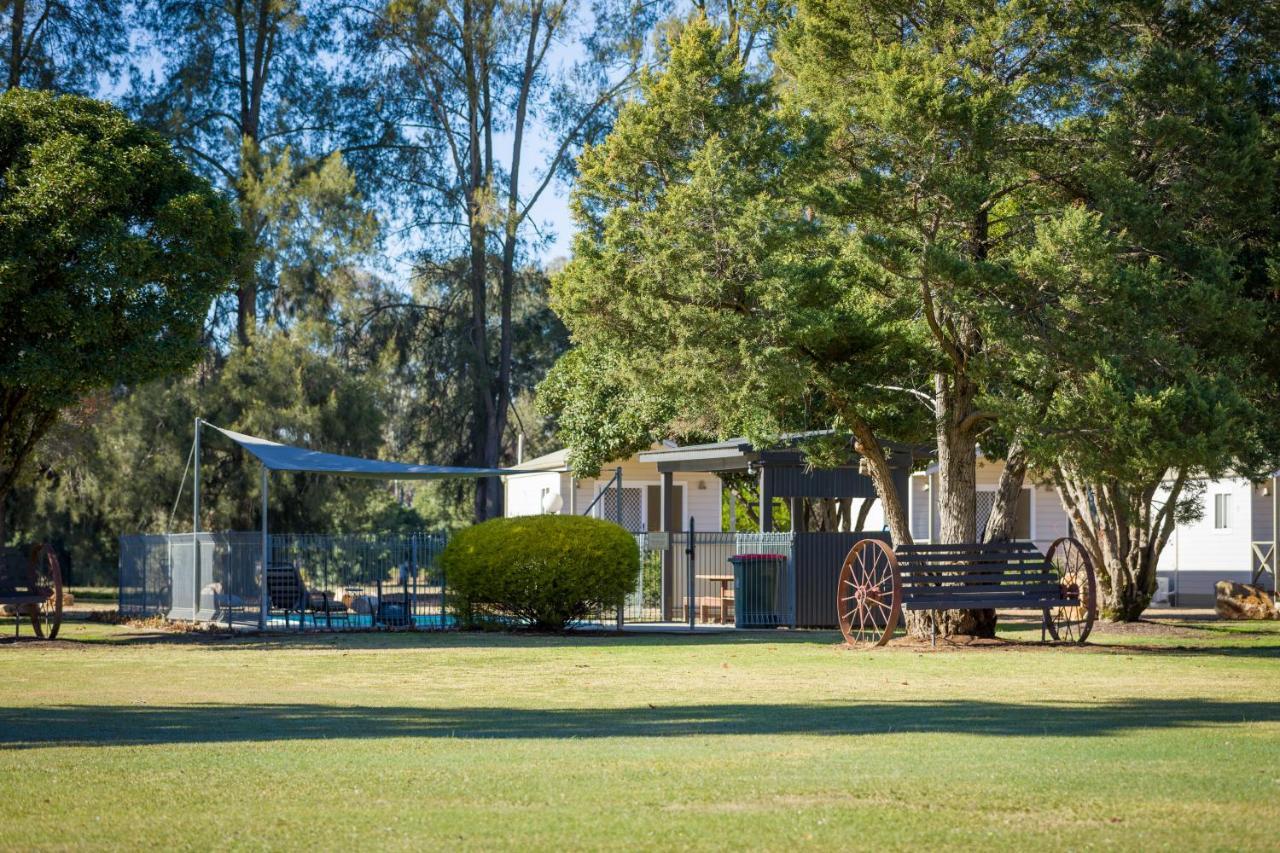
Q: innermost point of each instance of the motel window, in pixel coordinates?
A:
(1222, 511)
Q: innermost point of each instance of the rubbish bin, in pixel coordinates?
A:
(759, 598)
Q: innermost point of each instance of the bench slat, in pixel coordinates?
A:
(922, 579)
(949, 559)
(950, 572)
(993, 602)
(958, 593)
(985, 546)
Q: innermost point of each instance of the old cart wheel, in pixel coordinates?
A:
(869, 593)
(45, 578)
(1071, 563)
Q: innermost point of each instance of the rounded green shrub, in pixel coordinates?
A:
(542, 570)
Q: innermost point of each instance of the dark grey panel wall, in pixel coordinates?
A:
(795, 482)
(818, 557)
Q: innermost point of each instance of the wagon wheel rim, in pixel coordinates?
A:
(46, 576)
(869, 594)
(1073, 569)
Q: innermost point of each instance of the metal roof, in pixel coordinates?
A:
(736, 453)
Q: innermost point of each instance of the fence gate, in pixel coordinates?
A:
(675, 586)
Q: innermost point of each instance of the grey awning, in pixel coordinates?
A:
(282, 457)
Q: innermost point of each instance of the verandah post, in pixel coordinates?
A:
(690, 551)
(266, 558)
(618, 515)
(195, 526)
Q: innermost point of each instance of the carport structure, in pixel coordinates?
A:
(782, 473)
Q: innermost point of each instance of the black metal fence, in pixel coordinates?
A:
(366, 581)
(349, 581)
(700, 585)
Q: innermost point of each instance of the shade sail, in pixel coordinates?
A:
(282, 457)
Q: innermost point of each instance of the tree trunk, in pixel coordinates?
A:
(1124, 533)
(863, 511)
(868, 446)
(958, 502)
(16, 25)
(825, 514)
(1004, 512)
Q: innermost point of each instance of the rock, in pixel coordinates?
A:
(1243, 601)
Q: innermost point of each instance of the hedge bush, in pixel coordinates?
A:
(543, 570)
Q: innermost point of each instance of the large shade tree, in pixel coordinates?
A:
(485, 114)
(875, 252)
(112, 251)
(249, 93)
(826, 262)
(1156, 341)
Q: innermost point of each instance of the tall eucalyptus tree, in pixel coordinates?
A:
(248, 92)
(62, 45)
(488, 108)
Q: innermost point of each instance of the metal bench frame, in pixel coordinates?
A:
(878, 582)
(39, 596)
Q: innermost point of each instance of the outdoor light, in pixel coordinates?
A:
(551, 503)
(702, 485)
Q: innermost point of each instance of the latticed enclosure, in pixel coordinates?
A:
(348, 581)
(369, 581)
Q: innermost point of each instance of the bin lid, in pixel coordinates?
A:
(758, 557)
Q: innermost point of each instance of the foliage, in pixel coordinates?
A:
(459, 87)
(111, 252)
(61, 45)
(1147, 323)
(249, 94)
(117, 464)
(547, 570)
(691, 257)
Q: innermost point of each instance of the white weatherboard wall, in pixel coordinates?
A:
(702, 492)
(1048, 518)
(702, 503)
(1201, 555)
(526, 491)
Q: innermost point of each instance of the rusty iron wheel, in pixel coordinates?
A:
(45, 577)
(1077, 581)
(869, 593)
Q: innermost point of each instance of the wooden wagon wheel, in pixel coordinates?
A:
(45, 577)
(869, 593)
(1071, 563)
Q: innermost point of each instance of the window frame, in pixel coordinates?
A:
(1226, 526)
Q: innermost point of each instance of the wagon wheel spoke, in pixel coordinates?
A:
(869, 593)
(1071, 620)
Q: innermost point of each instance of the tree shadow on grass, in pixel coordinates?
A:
(364, 639)
(130, 725)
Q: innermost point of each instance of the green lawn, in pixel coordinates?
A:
(762, 741)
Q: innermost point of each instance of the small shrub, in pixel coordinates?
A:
(544, 570)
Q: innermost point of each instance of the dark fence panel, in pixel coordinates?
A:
(818, 557)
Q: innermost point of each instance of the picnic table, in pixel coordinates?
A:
(725, 601)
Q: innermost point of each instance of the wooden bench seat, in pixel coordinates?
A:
(877, 583)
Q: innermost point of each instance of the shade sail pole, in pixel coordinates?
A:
(195, 524)
(266, 558)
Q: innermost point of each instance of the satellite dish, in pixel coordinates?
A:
(551, 503)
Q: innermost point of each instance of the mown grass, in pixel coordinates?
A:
(482, 741)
